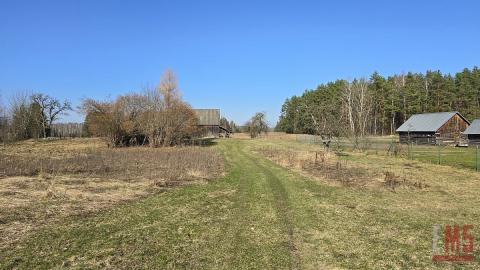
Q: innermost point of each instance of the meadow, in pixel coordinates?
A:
(461, 157)
(277, 203)
(43, 182)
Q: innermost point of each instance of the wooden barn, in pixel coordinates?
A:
(209, 123)
(473, 132)
(433, 128)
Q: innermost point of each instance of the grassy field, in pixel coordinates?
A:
(282, 204)
(468, 157)
(461, 157)
(42, 182)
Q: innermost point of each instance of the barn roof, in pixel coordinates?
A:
(474, 128)
(208, 117)
(427, 122)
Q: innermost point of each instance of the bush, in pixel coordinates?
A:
(257, 124)
(158, 117)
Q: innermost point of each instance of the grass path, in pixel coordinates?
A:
(259, 216)
(241, 220)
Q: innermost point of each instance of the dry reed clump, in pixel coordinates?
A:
(332, 166)
(40, 188)
(160, 165)
(393, 181)
(318, 163)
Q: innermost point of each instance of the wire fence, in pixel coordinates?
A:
(465, 157)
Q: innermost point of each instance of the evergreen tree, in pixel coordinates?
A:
(395, 99)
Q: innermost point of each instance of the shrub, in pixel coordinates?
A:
(158, 117)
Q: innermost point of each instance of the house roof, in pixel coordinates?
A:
(427, 122)
(208, 117)
(474, 128)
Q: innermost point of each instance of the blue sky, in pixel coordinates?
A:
(241, 57)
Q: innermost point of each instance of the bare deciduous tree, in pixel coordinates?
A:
(24, 117)
(51, 109)
(168, 88)
(158, 116)
(357, 105)
(257, 124)
(104, 119)
(3, 123)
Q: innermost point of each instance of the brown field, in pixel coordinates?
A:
(320, 163)
(283, 204)
(363, 169)
(45, 181)
(342, 168)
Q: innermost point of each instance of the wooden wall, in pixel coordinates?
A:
(451, 131)
(208, 131)
(418, 137)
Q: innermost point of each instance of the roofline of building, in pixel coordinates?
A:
(464, 132)
(451, 118)
(464, 118)
(454, 112)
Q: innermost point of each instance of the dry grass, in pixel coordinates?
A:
(376, 171)
(337, 168)
(393, 181)
(52, 148)
(160, 165)
(45, 181)
(322, 164)
(263, 216)
(390, 219)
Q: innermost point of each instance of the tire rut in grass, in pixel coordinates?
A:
(282, 206)
(241, 219)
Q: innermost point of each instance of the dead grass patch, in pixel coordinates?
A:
(123, 164)
(47, 181)
(318, 163)
(393, 181)
(425, 179)
(338, 168)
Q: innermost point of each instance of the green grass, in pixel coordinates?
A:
(261, 216)
(467, 157)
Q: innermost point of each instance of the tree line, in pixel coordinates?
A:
(30, 116)
(231, 126)
(68, 130)
(156, 116)
(379, 105)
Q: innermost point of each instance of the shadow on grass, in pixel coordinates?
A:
(204, 142)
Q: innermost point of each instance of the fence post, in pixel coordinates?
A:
(439, 155)
(476, 159)
(411, 151)
(408, 150)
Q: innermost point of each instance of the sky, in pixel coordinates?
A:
(238, 56)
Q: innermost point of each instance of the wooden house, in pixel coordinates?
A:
(209, 123)
(433, 128)
(473, 133)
